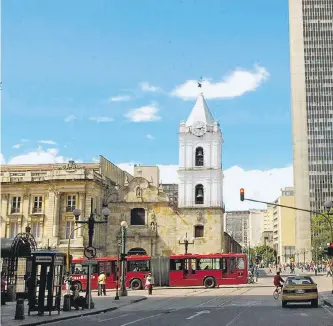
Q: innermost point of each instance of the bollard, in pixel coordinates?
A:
(67, 303)
(19, 311)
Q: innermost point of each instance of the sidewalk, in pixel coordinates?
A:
(102, 304)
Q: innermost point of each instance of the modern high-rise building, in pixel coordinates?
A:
(311, 66)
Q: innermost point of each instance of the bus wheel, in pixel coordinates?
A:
(136, 284)
(77, 285)
(209, 282)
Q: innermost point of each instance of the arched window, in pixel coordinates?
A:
(199, 194)
(199, 156)
(138, 216)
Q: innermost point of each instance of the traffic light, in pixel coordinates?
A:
(242, 194)
(123, 257)
(329, 251)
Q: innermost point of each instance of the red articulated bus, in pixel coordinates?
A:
(207, 270)
(137, 267)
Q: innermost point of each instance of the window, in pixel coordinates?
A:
(83, 269)
(177, 264)
(38, 204)
(240, 263)
(16, 204)
(224, 265)
(199, 156)
(232, 265)
(71, 203)
(138, 266)
(199, 194)
(138, 216)
(13, 229)
(35, 229)
(208, 264)
(199, 231)
(69, 229)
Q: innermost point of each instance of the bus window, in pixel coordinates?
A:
(240, 263)
(108, 269)
(138, 266)
(177, 264)
(208, 263)
(83, 269)
(224, 265)
(232, 265)
(101, 267)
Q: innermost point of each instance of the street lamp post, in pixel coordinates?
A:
(186, 243)
(91, 221)
(123, 226)
(117, 272)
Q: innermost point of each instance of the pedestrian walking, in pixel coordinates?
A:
(149, 284)
(101, 283)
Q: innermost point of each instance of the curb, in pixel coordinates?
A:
(218, 287)
(89, 313)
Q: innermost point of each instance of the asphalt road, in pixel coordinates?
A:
(222, 307)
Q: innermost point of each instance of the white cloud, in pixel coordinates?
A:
(143, 114)
(48, 142)
(95, 159)
(149, 136)
(235, 84)
(101, 119)
(2, 159)
(70, 118)
(17, 146)
(262, 185)
(149, 88)
(23, 140)
(120, 98)
(40, 156)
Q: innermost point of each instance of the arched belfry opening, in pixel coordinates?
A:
(199, 194)
(137, 251)
(199, 156)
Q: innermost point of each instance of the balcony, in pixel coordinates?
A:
(37, 210)
(70, 209)
(15, 210)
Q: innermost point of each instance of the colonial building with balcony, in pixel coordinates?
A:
(44, 196)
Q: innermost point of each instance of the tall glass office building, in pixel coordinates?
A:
(311, 66)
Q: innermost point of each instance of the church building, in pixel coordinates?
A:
(158, 225)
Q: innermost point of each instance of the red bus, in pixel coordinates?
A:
(207, 270)
(137, 267)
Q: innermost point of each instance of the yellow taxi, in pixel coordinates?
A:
(300, 289)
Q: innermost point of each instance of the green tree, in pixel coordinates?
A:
(322, 225)
(266, 253)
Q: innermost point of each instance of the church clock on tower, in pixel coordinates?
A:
(200, 159)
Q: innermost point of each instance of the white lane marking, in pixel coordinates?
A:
(198, 314)
(234, 319)
(100, 321)
(328, 310)
(303, 314)
(137, 320)
(215, 298)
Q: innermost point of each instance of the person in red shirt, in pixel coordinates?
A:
(278, 280)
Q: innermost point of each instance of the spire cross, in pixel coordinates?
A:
(200, 82)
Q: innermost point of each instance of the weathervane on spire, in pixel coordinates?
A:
(200, 82)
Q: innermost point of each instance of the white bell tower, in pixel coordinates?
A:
(200, 159)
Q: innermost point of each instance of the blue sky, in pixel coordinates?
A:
(70, 58)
